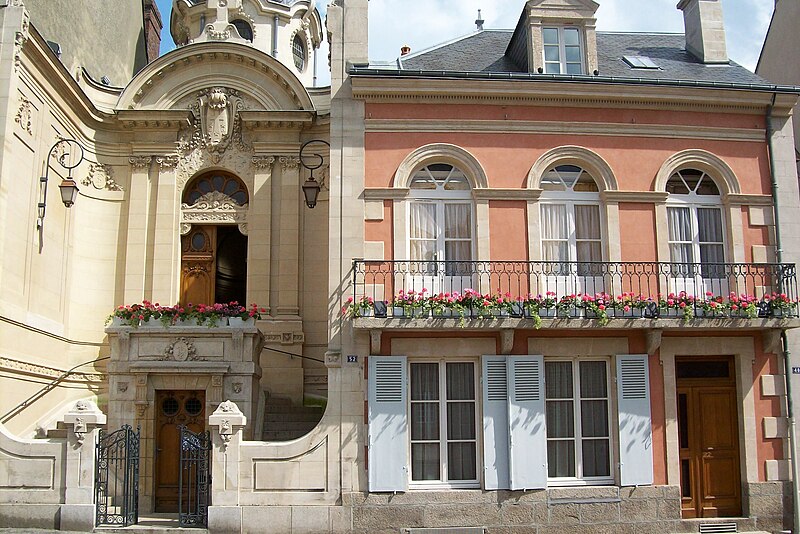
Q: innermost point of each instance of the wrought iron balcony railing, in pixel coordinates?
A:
(694, 284)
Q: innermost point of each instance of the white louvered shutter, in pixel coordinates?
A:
(495, 423)
(635, 429)
(526, 417)
(388, 424)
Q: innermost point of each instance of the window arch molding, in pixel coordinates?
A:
(701, 160)
(603, 176)
(440, 153)
(573, 155)
(475, 174)
(727, 182)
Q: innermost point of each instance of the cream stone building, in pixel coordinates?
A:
(548, 283)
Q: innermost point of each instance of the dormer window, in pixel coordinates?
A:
(563, 53)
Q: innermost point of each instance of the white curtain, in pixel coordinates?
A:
(423, 231)
(709, 222)
(555, 244)
(458, 232)
(560, 419)
(425, 438)
(680, 235)
(587, 233)
(461, 427)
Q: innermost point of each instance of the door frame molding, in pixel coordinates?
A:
(743, 351)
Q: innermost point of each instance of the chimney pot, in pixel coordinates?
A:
(479, 21)
(405, 50)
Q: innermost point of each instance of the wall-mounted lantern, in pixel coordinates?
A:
(70, 156)
(312, 161)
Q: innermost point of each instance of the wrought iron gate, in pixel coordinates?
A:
(116, 481)
(195, 478)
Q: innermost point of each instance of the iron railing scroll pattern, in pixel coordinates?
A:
(194, 482)
(385, 279)
(117, 477)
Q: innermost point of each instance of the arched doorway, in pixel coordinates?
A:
(214, 256)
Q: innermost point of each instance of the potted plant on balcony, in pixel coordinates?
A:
(569, 306)
(743, 306)
(712, 306)
(780, 305)
(362, 307)
(239, 315)
(546, 306)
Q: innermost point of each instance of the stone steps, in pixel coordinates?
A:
(284, 421)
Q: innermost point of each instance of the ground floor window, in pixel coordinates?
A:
(508, 422)
(443, 422)
(577, 406)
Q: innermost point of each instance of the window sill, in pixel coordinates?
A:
(444, 486)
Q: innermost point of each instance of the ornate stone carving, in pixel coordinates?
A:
(243, 228)
(140, 162)
(216, 122)
(263, 162)
(167, 162)
(214, 200)
(228, 407)
(101, 177)
(180, 350)
(122, 387)
(24, 114)
(20, 38)
(218, 35)
(333, 359)
(289, 162)
(186, 228)
(237, 387)
(17, 367)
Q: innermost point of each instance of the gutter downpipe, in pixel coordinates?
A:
(275, 24)
(784, 340)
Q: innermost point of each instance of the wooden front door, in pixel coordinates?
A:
(173, 408)
(198, 265)
(708, 433)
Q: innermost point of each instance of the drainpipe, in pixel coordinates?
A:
(275, 23)
(784, 340)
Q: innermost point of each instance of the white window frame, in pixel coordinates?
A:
(562, 50)
(570, 200)
(693, 203)
(441, 240)
(613, 425)
(443, 483)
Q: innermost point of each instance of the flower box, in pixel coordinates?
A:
(238, 322)
(398, 311)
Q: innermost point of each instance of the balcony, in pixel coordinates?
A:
(572, 295)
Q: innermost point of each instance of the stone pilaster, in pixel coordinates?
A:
(84, 421)
(288, 224)
(137, 251)
(259, 232)
(227, 421)
(166, 239)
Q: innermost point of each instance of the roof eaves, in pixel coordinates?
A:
(564, 78)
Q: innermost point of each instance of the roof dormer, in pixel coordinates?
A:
(556, 37)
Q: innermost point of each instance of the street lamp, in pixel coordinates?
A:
(68, 188)
(311, 187)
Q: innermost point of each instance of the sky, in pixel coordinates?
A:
(424, 23)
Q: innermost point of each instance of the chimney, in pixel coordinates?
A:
(152, 30)
(705, 30)
(480, 21)
(405, 50)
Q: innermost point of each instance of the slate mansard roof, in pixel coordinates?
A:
(485, 51)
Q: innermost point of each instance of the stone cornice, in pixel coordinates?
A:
(560, 128)
(648, 197)
(506, 194)
(385, 193)
(155, 120)
(290, 120)
(10, 365)
(575, 94)
(749, 200)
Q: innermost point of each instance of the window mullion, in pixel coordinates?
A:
(562, 51)
(443, 421)
(578, 430)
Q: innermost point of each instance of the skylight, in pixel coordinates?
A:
(640, 62)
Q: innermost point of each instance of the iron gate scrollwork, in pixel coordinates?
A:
(117, 477)
(195, 478)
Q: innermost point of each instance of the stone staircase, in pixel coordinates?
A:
(284, 421)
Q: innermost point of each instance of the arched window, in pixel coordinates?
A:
(244, 29)
(299, 52)
(694, 214)
(571, 223)
(216, 187)
(440, 216)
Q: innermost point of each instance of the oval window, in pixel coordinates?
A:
(299, 52)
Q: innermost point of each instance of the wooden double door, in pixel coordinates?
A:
(708, 433)
(213, 265)
(173, 409)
